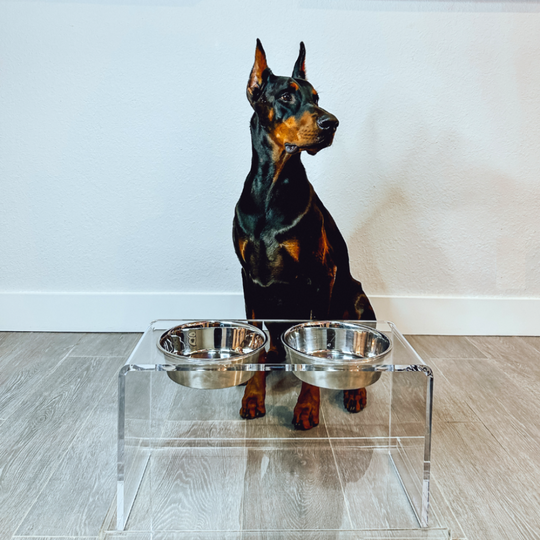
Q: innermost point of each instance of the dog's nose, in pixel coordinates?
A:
(328, 121)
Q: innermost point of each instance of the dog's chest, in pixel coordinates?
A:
(269, 256)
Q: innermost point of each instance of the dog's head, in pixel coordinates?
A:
(288, 107)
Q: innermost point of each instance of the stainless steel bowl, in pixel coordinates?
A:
(212, 343)
(338, 345)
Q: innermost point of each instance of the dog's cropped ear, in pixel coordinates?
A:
(259, 74)
(299, 71)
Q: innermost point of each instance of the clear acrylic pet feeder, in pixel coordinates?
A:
(190, 468)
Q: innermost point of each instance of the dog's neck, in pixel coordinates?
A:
(276, 177)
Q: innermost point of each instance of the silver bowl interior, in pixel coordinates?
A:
(205, 342)
(336, 342)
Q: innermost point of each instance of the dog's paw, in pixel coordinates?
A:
(252, 407)
(254, 397)
(306, 415)
(355, 400)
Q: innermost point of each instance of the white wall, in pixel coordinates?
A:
(124, 145)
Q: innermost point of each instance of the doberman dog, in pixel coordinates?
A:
(295, 262)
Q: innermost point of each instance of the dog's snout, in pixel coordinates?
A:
(328, 122)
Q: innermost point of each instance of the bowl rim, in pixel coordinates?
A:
(337, 324)
(213, 361)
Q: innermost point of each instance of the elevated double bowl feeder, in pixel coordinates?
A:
(336, 350)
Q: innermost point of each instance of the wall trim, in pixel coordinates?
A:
(132, 312)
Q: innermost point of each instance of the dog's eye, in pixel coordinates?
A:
(286, 97)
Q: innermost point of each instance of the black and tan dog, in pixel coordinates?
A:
(295, 263)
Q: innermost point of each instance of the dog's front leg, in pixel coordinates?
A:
(306, 412)
(254, 396)
(255, 392)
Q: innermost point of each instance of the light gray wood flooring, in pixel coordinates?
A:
(58, 434)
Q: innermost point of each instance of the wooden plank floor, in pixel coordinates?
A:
(58, 425)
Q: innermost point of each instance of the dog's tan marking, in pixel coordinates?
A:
(242, 243)
(294, 85)
(322, 254)
(324, 245)
(292, 247)
(271, 115)
(293, 131)
(301, 132)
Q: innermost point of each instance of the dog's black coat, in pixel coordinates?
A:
(295, 262)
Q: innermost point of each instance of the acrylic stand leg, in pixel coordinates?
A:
(410, 430)
(134, 435)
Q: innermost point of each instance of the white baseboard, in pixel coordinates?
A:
(461, 316)
(132, 312)
(110, 312)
